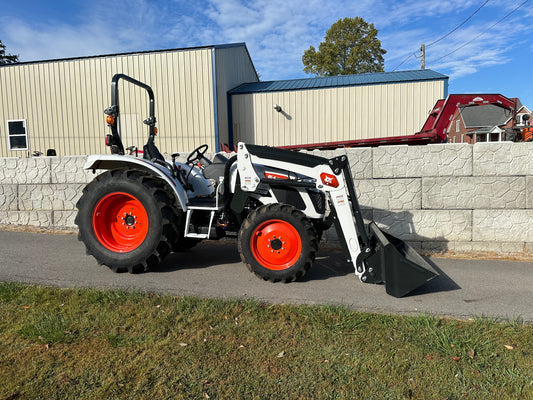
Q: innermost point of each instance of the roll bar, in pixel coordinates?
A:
(115, 140)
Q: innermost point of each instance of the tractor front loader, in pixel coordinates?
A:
(275, 202)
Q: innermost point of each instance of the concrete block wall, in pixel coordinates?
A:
(458, 198)
(440, 198)
(41, 192)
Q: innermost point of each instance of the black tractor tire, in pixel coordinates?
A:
(277, 242)
(127, 220)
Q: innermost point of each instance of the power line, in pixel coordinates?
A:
(458, 26)
(482, 33)
(407, 58)
(443, 37)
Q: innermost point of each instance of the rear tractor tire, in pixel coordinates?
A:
(127, 220)
(278, 243)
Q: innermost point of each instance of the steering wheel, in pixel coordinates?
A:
(197, 154)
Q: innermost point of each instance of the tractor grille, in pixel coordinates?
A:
(318, 199)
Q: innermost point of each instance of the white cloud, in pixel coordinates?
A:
(277, 32)
(99, 32)
(39, 43)
(470, 49)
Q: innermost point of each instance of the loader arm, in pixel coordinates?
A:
(377, 256)
(328, 176)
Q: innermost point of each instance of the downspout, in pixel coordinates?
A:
(515, 111)
(215, 96)
(230, 122)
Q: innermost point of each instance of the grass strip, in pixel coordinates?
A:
(92, 344)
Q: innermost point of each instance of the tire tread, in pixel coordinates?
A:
(293, 273)
(165, 201)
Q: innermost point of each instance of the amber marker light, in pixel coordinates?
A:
(110, 119)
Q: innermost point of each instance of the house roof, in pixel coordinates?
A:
(341, 80)
(485, 130)
(485, 116)
(522, 108)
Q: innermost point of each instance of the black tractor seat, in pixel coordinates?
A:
(216, 168)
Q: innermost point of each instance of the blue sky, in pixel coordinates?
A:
(486, 54)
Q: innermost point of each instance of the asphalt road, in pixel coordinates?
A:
(464, 289)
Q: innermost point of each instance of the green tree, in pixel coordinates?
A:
(6, 58)
(351, 46)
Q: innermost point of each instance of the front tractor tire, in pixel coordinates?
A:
(278, 243)
(127, 220)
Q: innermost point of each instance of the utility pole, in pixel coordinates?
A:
(423, 56)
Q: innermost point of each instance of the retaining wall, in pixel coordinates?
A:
(448, 197)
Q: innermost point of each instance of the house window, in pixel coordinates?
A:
(17, 135)
(457, 126)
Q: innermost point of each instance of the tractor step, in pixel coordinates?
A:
(204, 231)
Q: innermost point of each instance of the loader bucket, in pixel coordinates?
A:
(396, 264)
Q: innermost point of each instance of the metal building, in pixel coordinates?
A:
(58, 104)
(331, 109)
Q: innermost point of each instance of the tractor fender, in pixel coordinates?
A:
(108, 162)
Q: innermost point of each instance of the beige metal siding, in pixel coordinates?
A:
(334, 114)
(234, 68)
(63, 101)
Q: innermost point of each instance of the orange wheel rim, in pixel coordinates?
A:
(120, 222)
(276, 244)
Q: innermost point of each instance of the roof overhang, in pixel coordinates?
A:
(378, 78)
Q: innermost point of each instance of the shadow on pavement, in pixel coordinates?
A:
(332, 264)
(441, 283)
(328, 264)
(204, 255)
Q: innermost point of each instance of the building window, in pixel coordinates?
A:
(17, 135)
(457, 126)
(522, 119)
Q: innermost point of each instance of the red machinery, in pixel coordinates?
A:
(441, 116)
(435, 128)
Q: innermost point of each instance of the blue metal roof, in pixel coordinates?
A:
(341, 80)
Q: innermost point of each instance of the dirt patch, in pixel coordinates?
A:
(481, 255)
